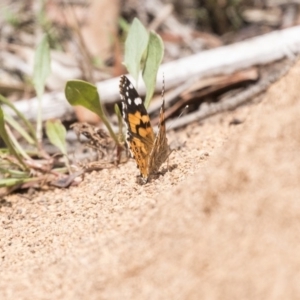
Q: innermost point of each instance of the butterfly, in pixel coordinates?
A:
(150, 151)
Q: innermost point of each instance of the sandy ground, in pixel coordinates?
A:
(224, 224)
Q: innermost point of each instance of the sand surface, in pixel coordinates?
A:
(223, 224)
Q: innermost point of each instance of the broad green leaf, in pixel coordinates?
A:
(79, 92)
(56, 134)
(155, 53)
(7, 140)
(41, 66)
(135, 47)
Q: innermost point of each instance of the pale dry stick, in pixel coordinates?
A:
(230, 103)
(223, 60)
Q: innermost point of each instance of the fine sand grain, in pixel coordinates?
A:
(223, 224)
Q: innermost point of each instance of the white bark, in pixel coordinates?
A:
(223, 60)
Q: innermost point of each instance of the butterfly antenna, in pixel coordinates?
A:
(163, 88)
(183, 111)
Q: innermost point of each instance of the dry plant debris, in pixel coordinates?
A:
(80, 50)
(98, 140)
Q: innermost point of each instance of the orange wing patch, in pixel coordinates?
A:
(149, 151)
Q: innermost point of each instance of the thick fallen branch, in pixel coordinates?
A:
(224, 60)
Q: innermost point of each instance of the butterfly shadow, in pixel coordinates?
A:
(156, 175)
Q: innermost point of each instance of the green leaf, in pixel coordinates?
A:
(7, 182)
(41, 66)
(18, 127)
(135, 47)
(15, 173)
(56, 134)
(40, 73)
(120, 121)
(123, 24)
(7, 141)
(79, 92)
(19, 149)
(20, 115)
(155, 53)
(118, 112)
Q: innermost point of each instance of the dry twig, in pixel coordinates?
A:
(224, 60)
(207, 110)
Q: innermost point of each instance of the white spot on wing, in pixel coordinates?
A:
(129, 101)
(138, 101)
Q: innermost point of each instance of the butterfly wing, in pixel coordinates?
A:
(160, 150)
(139, 133)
